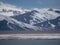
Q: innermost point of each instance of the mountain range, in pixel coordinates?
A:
(44, 19)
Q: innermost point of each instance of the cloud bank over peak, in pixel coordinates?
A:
(8, 6)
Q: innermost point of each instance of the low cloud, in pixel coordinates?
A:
(7, 6)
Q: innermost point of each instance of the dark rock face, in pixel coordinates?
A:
(24, 17)
(3, 25)
(57, 11)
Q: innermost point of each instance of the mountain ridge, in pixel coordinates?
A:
(34, 20)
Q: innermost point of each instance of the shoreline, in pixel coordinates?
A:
(29, 36)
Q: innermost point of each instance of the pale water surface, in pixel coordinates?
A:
(29, 42)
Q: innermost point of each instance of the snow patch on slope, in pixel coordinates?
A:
(45, 13)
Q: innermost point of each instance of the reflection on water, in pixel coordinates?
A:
(29, 42)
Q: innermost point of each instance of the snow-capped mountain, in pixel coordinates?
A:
(38, 16)
(46, 19)
(11, 10)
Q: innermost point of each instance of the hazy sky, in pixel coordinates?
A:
(34, 3)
